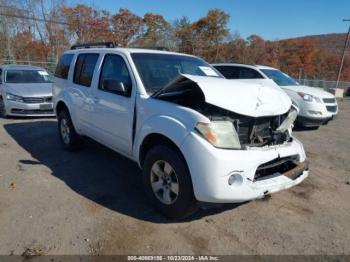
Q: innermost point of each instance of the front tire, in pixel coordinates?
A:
(68, 136)
(168, 183)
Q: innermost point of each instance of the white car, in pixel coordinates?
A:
(197, 136)
(316, 106)
(25, 91)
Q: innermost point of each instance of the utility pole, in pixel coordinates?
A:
(343, 57)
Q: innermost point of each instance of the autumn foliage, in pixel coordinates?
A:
(209, 37)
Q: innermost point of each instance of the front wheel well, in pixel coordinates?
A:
(60, 107)
(153, 140)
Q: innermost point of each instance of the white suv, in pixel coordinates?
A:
(197, 136)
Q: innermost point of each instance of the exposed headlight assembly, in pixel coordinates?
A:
(13, 97)
(288, 122)
(221, 134)
(309, 98)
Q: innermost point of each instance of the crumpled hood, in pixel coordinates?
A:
(314, 91)
(252, 99)
(29, 90)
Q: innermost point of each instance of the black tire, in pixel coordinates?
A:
(185, 203)
(3, 113)
(73, 141)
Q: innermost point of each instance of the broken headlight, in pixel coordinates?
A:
(288, 122)
(220, 134)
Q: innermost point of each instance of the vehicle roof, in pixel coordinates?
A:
(124, 50)
(21, 67)
(245, 65)
(266, 67)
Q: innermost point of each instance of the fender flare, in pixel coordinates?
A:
(67, 101)
(164, 125)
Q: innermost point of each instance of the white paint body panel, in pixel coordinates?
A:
(246, 98)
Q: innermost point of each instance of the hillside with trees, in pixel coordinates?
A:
(33, 31)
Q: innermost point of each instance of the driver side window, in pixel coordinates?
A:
(114, 68)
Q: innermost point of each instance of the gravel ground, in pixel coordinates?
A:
(92, 202)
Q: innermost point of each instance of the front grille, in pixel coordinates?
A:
(37, 100)
(331, 109)
(277, 166)
(329, 100)
(31, 111)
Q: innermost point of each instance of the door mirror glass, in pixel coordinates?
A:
(114, 86)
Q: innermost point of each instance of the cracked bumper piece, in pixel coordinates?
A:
(229, 176)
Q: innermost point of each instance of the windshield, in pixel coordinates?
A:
(157, 70)
(27, 76)
(280, 78)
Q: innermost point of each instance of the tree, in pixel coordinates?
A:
(211, 31)
(127, 27)
(185, 35)
(157, 32)
(88, 24)
(52, 62)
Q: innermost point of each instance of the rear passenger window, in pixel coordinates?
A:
(63, 66)
(229, 72)
(84, 69)
(248, 73)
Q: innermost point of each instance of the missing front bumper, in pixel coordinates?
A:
(287, 166)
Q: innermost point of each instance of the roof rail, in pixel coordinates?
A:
(159, 48)
(97, 44)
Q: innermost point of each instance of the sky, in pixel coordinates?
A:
(270, 19)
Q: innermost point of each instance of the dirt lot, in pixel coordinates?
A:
(92, 202)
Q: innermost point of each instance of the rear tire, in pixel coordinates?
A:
(3, 113)
(70, 139)
(168, 183)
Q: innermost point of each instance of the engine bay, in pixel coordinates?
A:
(252, 131)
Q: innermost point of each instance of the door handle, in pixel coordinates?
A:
(96, 99)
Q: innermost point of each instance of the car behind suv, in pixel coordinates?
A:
(25, 91)
(316, 106)
(197, 136)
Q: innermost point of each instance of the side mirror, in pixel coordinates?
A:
(115, 86)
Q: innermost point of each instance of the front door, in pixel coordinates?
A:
(112, 115)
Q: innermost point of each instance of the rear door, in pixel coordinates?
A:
(83, 76)
(112, 116)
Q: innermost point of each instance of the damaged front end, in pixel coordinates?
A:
(241, 115)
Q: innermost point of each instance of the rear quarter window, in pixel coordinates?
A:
(63, 66)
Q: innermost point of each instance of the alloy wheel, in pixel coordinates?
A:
(164, 182)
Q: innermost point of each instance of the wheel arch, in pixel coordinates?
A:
(164, 130)
(63, 105)
(152, 140)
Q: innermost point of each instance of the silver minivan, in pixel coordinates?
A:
(25, 91)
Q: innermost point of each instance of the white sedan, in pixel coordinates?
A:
(317, 107)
